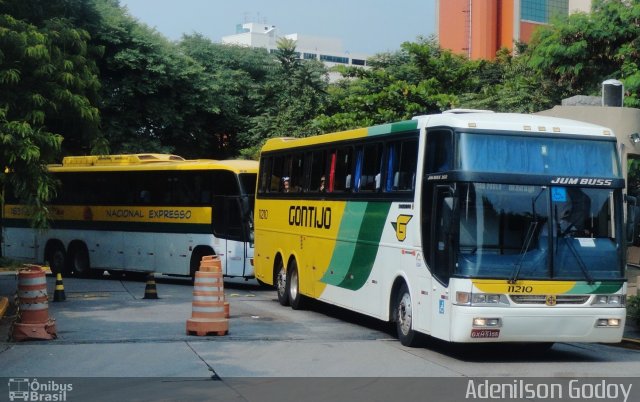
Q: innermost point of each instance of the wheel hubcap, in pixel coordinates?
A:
(404, 313)
(282, 281)
(293, 286)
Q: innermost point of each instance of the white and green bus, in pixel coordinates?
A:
(140, 213)
(469, 226)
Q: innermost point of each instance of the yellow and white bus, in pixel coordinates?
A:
(140, 213)
(469, 226)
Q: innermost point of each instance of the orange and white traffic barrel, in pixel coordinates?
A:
(33, 306)
(208, 308)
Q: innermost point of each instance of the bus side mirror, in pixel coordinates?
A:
(633, 215)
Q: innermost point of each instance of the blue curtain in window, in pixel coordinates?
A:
(511, 154)
(390, 168)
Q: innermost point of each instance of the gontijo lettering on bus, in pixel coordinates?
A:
(310, 216)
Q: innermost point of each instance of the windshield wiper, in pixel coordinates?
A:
(567, 241)
(525, 247)
(581, 263)
(531, 231)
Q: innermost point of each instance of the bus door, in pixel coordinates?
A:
(229, 227)
(442, 254)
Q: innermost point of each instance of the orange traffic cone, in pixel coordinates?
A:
(208, 309)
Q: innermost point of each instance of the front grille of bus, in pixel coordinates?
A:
(541, 299)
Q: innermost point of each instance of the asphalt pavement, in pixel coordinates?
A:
(108, 331)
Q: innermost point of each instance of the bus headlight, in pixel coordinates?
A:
(483, 299)
(609, 300)
(484, 322)
(608, 323)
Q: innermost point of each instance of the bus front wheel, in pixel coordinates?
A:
(281, 284)
(404, 318)
(57, 259)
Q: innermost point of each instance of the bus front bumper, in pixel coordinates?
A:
(537, 324)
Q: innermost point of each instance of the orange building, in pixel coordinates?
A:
(478, 28)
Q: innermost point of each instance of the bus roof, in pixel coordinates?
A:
(133, 162)
(289, 142)
(514, 122)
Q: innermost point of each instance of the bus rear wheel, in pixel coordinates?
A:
(79, 259)
(404, 318)
(281, 284)
(296, 300)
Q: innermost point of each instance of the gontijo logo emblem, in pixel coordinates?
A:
(24, 389)
(400, 226)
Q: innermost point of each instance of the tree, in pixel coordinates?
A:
(293, 94)
(581, 51)
(46, 87)
(421, 78)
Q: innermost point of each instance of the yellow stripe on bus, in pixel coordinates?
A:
(165, 214)
(523, 287)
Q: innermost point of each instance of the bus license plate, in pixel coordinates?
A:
(485, 333)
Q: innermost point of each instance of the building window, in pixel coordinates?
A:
(543, 10)
(334, 59)
(358, 62)
(310, 56)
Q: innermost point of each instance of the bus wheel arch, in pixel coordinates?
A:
(78, 258)
(296, 299)
(196, 258)
(280, 281)
(56, 256)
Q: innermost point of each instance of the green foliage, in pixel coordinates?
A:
(579, 52)
(46, 86)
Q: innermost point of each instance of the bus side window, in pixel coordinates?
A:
(343, 171)
(318, 169)
(265, 175)
(281, 168)
(297, 173)
(392, 176)
(439, 151)
(369, 158)
(406, 178)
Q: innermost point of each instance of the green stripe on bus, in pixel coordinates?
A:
(367, 245)
(596, 288)
(398, 127)
(359, 238)
(345, 245)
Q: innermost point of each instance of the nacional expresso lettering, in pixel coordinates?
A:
(582, 182)
(310, 217)
(152, 213)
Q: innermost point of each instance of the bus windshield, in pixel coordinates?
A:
(537, 232)
(537, 155)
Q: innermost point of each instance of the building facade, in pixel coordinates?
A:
(478, 28)
(327, 50)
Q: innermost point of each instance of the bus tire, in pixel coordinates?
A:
(403, 317)
(79, 260)
(281, 284)
(296, 299)
(57, 259)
